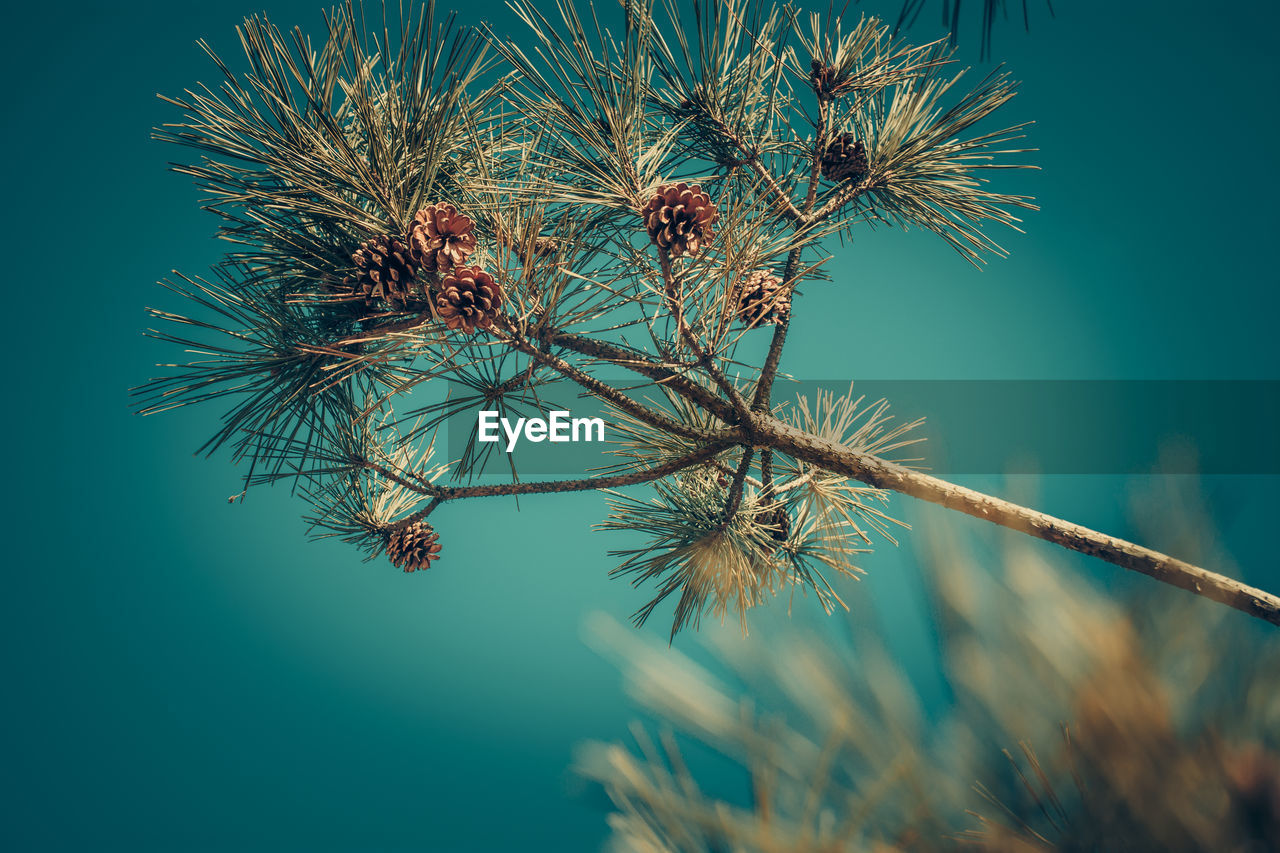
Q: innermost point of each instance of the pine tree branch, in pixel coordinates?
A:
(846, 195)
(766, 475)
(439, 494)
(815, 157)
(736, 488)
(316, 154)
(751, 157)
(596, 387)
(675, 300)
(769, 370)
(882, 474)
(638, 362)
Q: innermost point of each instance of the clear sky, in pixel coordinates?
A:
(185, 674)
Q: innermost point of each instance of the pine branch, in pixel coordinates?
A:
(735, 488)
(769, 370)
(639, 363)
(773, 358)
(440, 494)
(675, 299)
(375, 177)
(597, 387)
(876, 472)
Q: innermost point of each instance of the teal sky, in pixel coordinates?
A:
(182, 674)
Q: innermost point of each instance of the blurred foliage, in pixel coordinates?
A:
(1076, 723)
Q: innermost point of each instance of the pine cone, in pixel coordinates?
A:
(823, 79)
(545, 246)
(679, 218)
(413, 546)
(468, 299)
(845, 159)
(384, 271)
(759, 301)
(778, 519)
(440, 238)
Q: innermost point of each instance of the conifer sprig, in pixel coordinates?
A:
(427, 219)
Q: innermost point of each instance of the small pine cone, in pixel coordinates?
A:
(759, 301)
(440, 238)
(468, 299)
(823, 79)
(679, 218)
(845, 159)
(413, 546)
(778, 519)
(384, 270)
(545, 246)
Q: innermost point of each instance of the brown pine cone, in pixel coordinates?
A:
(384, 271)
(679, 218)
(413, 546)
(759, 301)
(545, 246)
(778, 519)
(845, 159)
(468, 299)
(440, 238)
(823, 79)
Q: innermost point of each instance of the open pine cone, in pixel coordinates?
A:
(679, 218)
(845, 159)
(468, 299)
(413, 546)
(440, 238)
(384, 271)
(758, 299)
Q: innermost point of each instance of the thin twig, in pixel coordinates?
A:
(674, 294)
(543, 487)
(636, 361)
(736, 488)
(598, 388)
